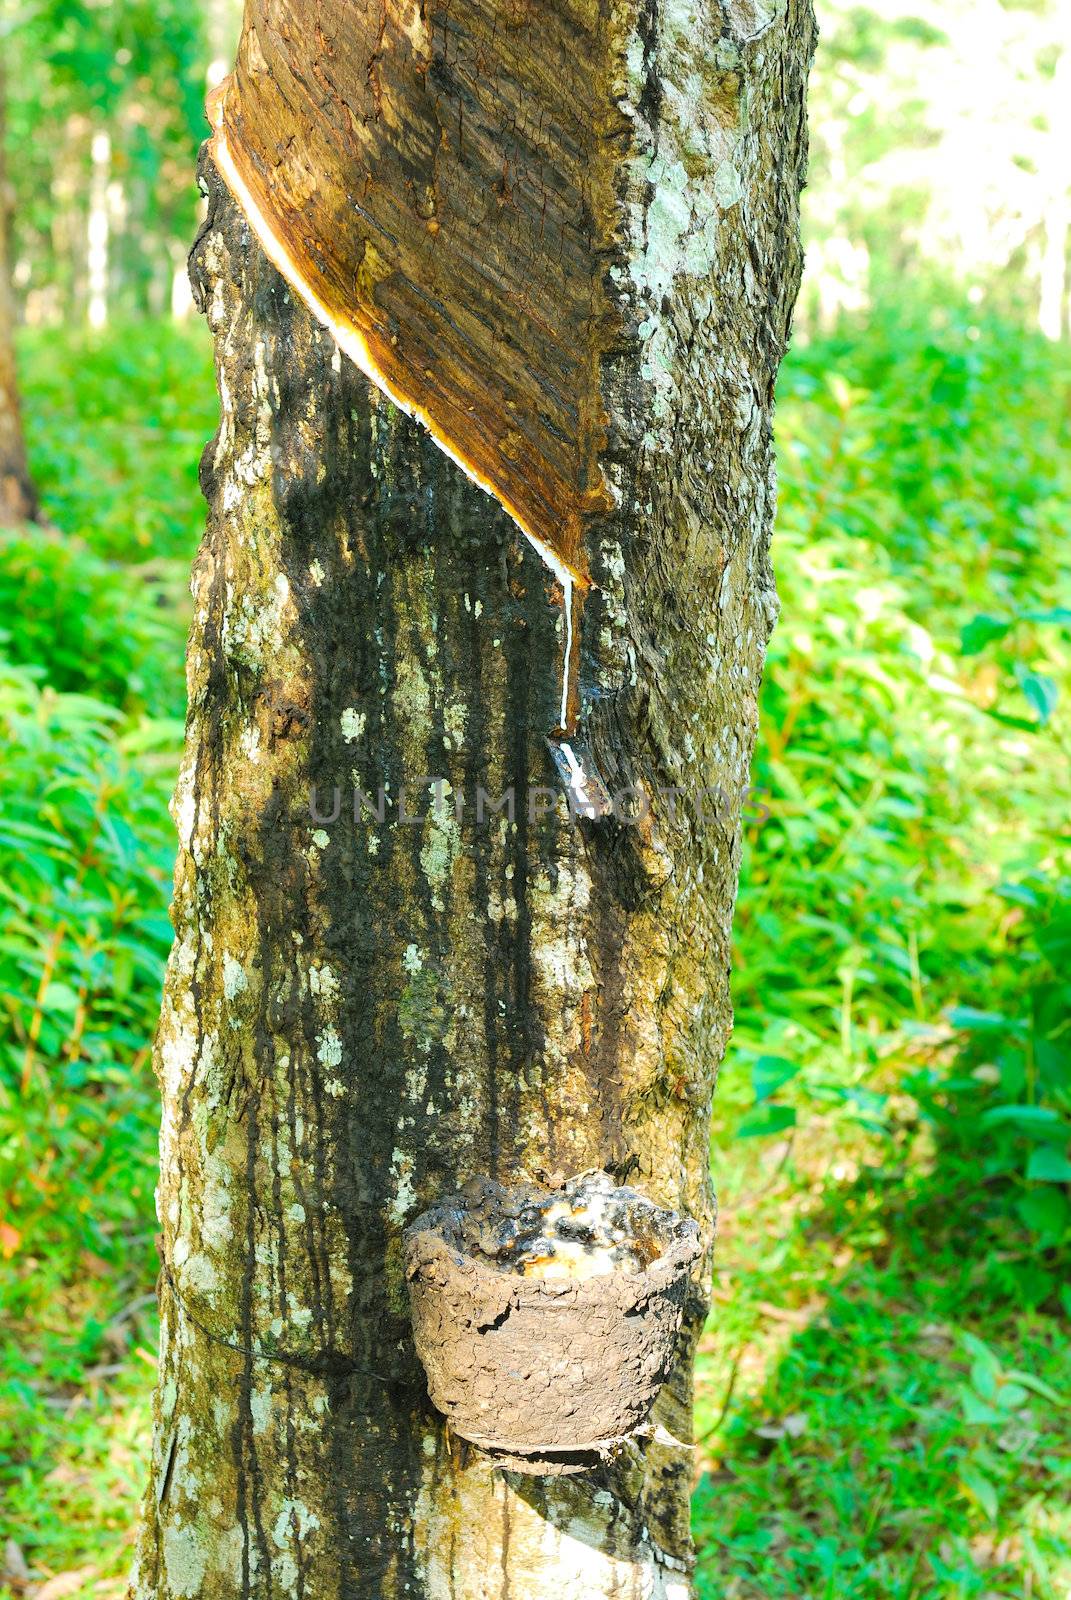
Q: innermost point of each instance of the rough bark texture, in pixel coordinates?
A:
(18, 502)
(361, 1016)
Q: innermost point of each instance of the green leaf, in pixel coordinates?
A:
(976, 1412)
(1047, 1164)
(1046, 1213)
(1039, 691)
(1011, 1396)
(1058, 614)
(975, 1021)
(1021, 893)
(985, 1381)
(122, 973)
(770, 1073)
(771, 1119)
(982, 630)
(1020, 724)
(981, 1352)
(1028, 1117)
(980, 1489)
(1026, 1380)
(61, 998)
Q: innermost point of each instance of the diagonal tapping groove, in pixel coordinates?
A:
(437, 184)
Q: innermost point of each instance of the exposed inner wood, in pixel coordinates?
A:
(425, 176)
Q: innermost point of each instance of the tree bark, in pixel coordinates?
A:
(360, 1015)
(18, 501)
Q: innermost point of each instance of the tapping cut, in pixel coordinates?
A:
(424, 177)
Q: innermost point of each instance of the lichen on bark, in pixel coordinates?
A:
(362, 1014)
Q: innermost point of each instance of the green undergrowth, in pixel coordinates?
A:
(880, 1413)
(885, 1393)
(883, 1399)
(117, 424)
(93, 613)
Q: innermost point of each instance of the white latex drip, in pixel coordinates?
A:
(578, 783)
(568, 603)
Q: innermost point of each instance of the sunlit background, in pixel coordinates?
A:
(884, 1399)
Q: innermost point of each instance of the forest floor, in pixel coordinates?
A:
(884, 1395)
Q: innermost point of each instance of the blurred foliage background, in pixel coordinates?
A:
(884, 1393)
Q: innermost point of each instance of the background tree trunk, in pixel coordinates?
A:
(18, 502)
(1052, 308)
(98, 229)
(360, 1016)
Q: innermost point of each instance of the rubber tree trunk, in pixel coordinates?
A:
(361, 1014)
(18, 502)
